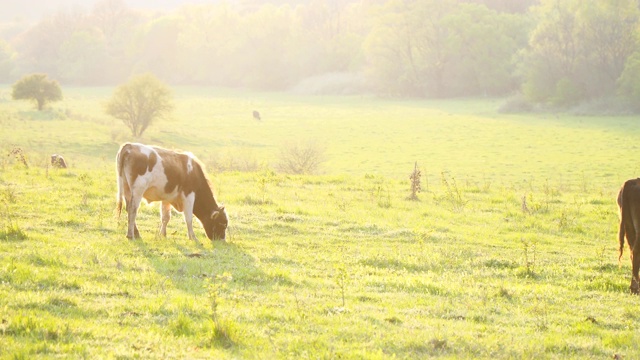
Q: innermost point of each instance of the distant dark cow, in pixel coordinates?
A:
(175, 178)
(629, 204)
(256, 115)
(58, 161)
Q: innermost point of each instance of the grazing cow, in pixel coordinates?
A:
(256, 115)
(629, 204)
(176, 179)
(58, 161)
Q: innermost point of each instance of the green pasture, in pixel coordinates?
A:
(510, 252)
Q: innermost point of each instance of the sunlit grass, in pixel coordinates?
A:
(509, 251)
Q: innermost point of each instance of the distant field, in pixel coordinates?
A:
(510, 251)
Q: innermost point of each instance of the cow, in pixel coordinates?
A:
(58, 161)
(629, 204)
(176, 179)
(256, 115)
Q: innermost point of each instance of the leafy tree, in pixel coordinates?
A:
(209, 40)
(629, 82)
(609, 35)
(156, 47)
(39, 46)
(82, 58)
(483, 44)
(443, 48)
(7, 62)
(139, 102)
(578, 49)
(37, 87)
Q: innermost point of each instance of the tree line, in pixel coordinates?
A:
(555, 52)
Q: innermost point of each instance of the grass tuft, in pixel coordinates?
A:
(13, 232)
(223, 333)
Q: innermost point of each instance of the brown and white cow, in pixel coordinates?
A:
(629, 204)
(176, 179)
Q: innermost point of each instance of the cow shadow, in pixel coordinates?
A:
(190, 267)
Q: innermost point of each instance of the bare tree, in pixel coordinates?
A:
(301, 157)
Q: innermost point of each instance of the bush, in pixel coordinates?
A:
(516, 104)
(567, 93)
(301, 157)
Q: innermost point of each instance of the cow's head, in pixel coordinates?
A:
(220, 221)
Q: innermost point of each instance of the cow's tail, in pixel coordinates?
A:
(623, 218)
(122, 153)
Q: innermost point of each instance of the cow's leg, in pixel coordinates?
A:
(132, 210)
(635, 262)
(634, 254)
(165, 211)
(635, 280)
(188, 216)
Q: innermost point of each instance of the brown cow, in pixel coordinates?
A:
(176, 179)
(629, 204)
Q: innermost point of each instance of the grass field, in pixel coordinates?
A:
(510, 251)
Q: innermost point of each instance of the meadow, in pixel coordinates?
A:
(510, 251)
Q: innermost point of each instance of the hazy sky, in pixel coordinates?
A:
(33, 10)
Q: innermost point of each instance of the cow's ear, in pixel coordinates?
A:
(221, 208)
(215, 215)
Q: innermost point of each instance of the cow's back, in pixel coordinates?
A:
(629, 201)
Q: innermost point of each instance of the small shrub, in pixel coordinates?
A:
(9, 194)
(301, 157)
(265, 178)
(223, 332)
(439, 344)
(382, 196)
(525, 208)
(19, 155)
(452, 193)
(341, 278)
(415, 182)
(516, 104)
(568, 92)
(529, 255)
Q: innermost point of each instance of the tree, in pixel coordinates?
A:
(483, 44)
(38, 47)
(609, 35)
(139, 102)
(578, 49)
(37, 87)
(629, 81)
(7, 61)
(82, 58)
